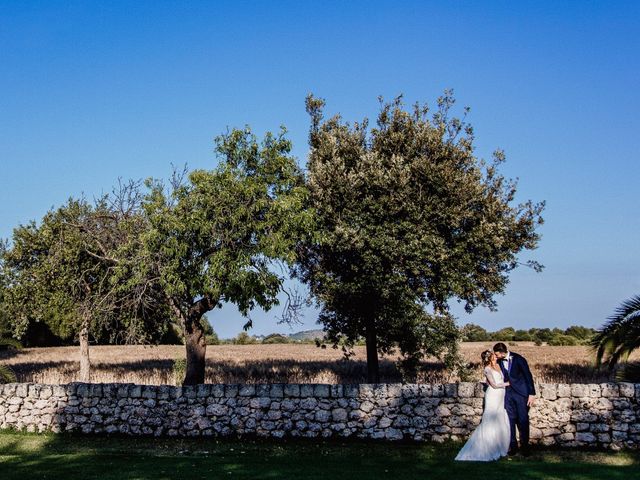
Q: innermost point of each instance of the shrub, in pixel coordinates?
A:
(244, 338)
(275, 338)
(563, 340)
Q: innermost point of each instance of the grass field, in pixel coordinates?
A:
(25, 456)
(293, 363)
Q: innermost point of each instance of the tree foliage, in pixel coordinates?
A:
(71, 272)
(215, 236)
(407, 219)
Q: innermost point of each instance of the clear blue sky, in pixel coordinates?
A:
(93, 91)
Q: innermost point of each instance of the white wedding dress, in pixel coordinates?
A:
(490, 440)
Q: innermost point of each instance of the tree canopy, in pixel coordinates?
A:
(70, 272)
(407, 219)
(214, 236)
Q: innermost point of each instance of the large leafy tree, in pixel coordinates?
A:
(72, 272)
(216, 236)
(407, 219)
(619, 337)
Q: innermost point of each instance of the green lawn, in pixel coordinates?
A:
(29, 456)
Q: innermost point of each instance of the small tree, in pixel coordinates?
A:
(474, 333)
(70, 271)
(243, 338)
(214, 236)
(275, 338)
(407, 220)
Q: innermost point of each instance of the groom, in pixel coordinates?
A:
(519, 395)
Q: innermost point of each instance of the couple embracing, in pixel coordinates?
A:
(509, 395)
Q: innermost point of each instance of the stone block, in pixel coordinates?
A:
(425, 390)
(351, 390)
(164, 392)
(321, 391)
(149, 392)
(549, 391)
(585, 437)
(410, 391)
(34, 390)
(466, 389)
(9, 390)
(582, 427)
(135, 391)
(339, 415)
(277, 390)
(95, 390)
(190, 391)
(322, 416)
(292, 390)
(451, 390)
(566, 437)
(563, 390)
(594, 390)
(247, 390)
(620, 426)
(437, 390)
(609, 390)
(579, 390)
(59, 391)
(599, 427)
(619, 436)
(203, 391)
(231, 391)
(337, 391)
(627, 390)
(306, 390)
(604, 404)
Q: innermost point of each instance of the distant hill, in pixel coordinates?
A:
(307, 335)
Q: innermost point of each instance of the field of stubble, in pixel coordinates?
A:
(277, 364)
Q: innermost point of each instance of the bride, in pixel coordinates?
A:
(490, 440)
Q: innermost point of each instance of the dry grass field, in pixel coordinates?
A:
(277, 364)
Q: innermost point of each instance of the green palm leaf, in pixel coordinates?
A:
(6, 343)
(620, 335)
(7, 375)
(630, 373)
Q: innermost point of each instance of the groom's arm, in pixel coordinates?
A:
(531, 389)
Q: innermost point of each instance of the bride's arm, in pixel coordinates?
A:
(489, 376)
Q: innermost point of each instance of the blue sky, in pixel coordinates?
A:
(93, 91)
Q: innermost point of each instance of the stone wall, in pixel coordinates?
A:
(604, 415)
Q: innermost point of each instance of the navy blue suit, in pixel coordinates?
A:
(516, 396)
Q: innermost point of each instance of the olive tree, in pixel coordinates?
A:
(407, 219)
(215, 236)
(71, 271)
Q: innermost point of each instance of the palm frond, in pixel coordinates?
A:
(629, 373)
(7, 375)
(615, 341)
(6, 343)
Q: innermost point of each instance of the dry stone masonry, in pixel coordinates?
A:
(598, 415)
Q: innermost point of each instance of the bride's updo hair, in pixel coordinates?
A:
(486, 357)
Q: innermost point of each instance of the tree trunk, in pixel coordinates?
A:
(373, 367)
(196, 345)
(85, 365)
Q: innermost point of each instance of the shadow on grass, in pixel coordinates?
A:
(25, 456)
